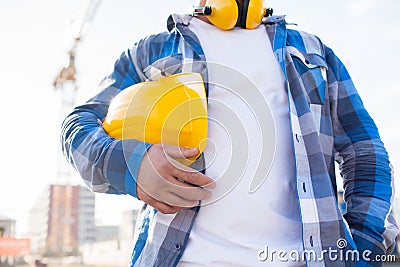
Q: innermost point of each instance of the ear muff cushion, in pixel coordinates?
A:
(254, 13)
(224, 14)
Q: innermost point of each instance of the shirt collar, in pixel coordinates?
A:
(175, 19)
(184, 19)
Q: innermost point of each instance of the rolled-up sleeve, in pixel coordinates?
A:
(106, 165)
(364, 165)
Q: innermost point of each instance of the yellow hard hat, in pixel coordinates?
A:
(172, 110)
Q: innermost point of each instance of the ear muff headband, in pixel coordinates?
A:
(243, 14)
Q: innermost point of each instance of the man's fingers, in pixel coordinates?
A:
(176, 200)
(192, 176)
(158, 205)
(168, 185)
(192, 193)
(186, 191)
(178, 152)
(164, 208)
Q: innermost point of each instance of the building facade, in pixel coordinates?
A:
(113, 248)
(62, 219)
(7, 227)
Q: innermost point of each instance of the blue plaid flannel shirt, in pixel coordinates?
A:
(328, 120)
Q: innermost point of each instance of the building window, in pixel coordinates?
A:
(2, 230)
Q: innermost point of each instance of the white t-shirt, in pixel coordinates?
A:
(245, 78)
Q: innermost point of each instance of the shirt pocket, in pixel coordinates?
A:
(164, 67)
(312, 69)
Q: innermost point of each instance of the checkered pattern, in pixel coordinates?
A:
(328, 123)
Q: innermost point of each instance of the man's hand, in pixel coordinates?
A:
(159, 182)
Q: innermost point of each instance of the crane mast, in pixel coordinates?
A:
(66, 83)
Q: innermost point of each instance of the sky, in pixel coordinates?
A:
(35, 37)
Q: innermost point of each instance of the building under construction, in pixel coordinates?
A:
(62, 219)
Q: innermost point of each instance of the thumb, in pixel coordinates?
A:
(179, 152)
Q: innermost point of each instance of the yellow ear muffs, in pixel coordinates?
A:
(221, 13)
(226, 14)
(253, 12)
(172, 110)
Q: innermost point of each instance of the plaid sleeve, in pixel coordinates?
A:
(364, 165)
(105, 164)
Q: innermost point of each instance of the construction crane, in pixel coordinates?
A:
(66, 82)
(71, 221)
(67, 73)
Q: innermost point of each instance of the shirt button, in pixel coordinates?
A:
(177, 246)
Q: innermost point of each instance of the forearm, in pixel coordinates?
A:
(368, 189)
(105, 164)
